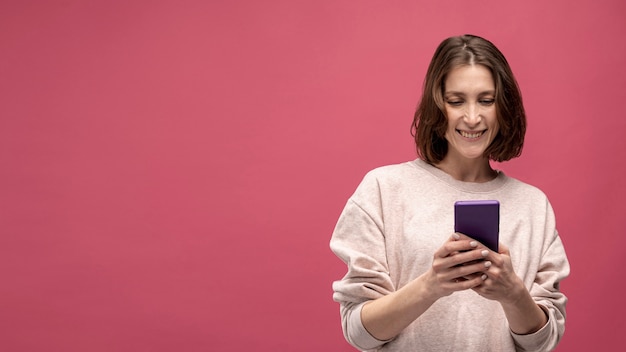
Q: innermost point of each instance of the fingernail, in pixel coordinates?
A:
(456, 236)
(484, 277)
(485, 253)
(473, 243)
(487, 264)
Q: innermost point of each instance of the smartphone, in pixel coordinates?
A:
(480, 220)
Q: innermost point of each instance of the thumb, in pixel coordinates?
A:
(502, 249)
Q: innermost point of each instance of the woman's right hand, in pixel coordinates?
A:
(458, 265)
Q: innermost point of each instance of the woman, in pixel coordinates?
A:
(412, 284)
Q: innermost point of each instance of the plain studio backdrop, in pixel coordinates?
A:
(171, 171)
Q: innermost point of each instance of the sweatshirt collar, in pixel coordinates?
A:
(475, 187)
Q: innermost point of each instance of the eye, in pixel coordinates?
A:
(487, 102)
(454, 102)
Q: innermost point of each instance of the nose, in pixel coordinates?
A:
(472, 115)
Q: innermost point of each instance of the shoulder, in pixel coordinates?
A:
(525, 199)
(391, 172)
(525, 190)
(392, 177)
(384, 181)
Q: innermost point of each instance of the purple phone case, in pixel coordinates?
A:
(480, 220)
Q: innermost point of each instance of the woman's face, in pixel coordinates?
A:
(469, 99)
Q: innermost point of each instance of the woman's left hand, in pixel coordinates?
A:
(500, 283)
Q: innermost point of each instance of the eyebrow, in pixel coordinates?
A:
(487, 92)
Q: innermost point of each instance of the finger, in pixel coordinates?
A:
(472, 276)
(467, 283)
(444, 252)
(472, 270)
(463, 236)
(502, 249)
(455, 247)
(469, 257)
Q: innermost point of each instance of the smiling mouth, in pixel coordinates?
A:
(472, 135)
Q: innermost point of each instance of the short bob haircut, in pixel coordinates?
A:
(430, 122)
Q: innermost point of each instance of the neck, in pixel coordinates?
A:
(478, 170)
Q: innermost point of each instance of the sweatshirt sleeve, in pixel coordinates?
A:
(359, 241)
(545, 290)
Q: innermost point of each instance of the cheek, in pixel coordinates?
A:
(493, 120)
(450, 119)
(450, 129)
(495, 130)
(451, 114)
(495, 124)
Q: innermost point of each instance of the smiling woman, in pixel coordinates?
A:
(443, 82)
(411, 283)
(472, 118)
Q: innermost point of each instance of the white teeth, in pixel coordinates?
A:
(470, 135)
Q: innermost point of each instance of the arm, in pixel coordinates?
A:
(503, 285)
(523, 314)
(536, 316)
(387, 316)
(359, 241)
(545, 291)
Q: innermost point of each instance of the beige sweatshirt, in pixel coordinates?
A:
(389, 231)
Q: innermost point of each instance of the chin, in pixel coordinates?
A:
(474, 155)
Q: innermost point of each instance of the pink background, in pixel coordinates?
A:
(171, 171)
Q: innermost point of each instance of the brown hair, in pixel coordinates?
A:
(430, 122)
